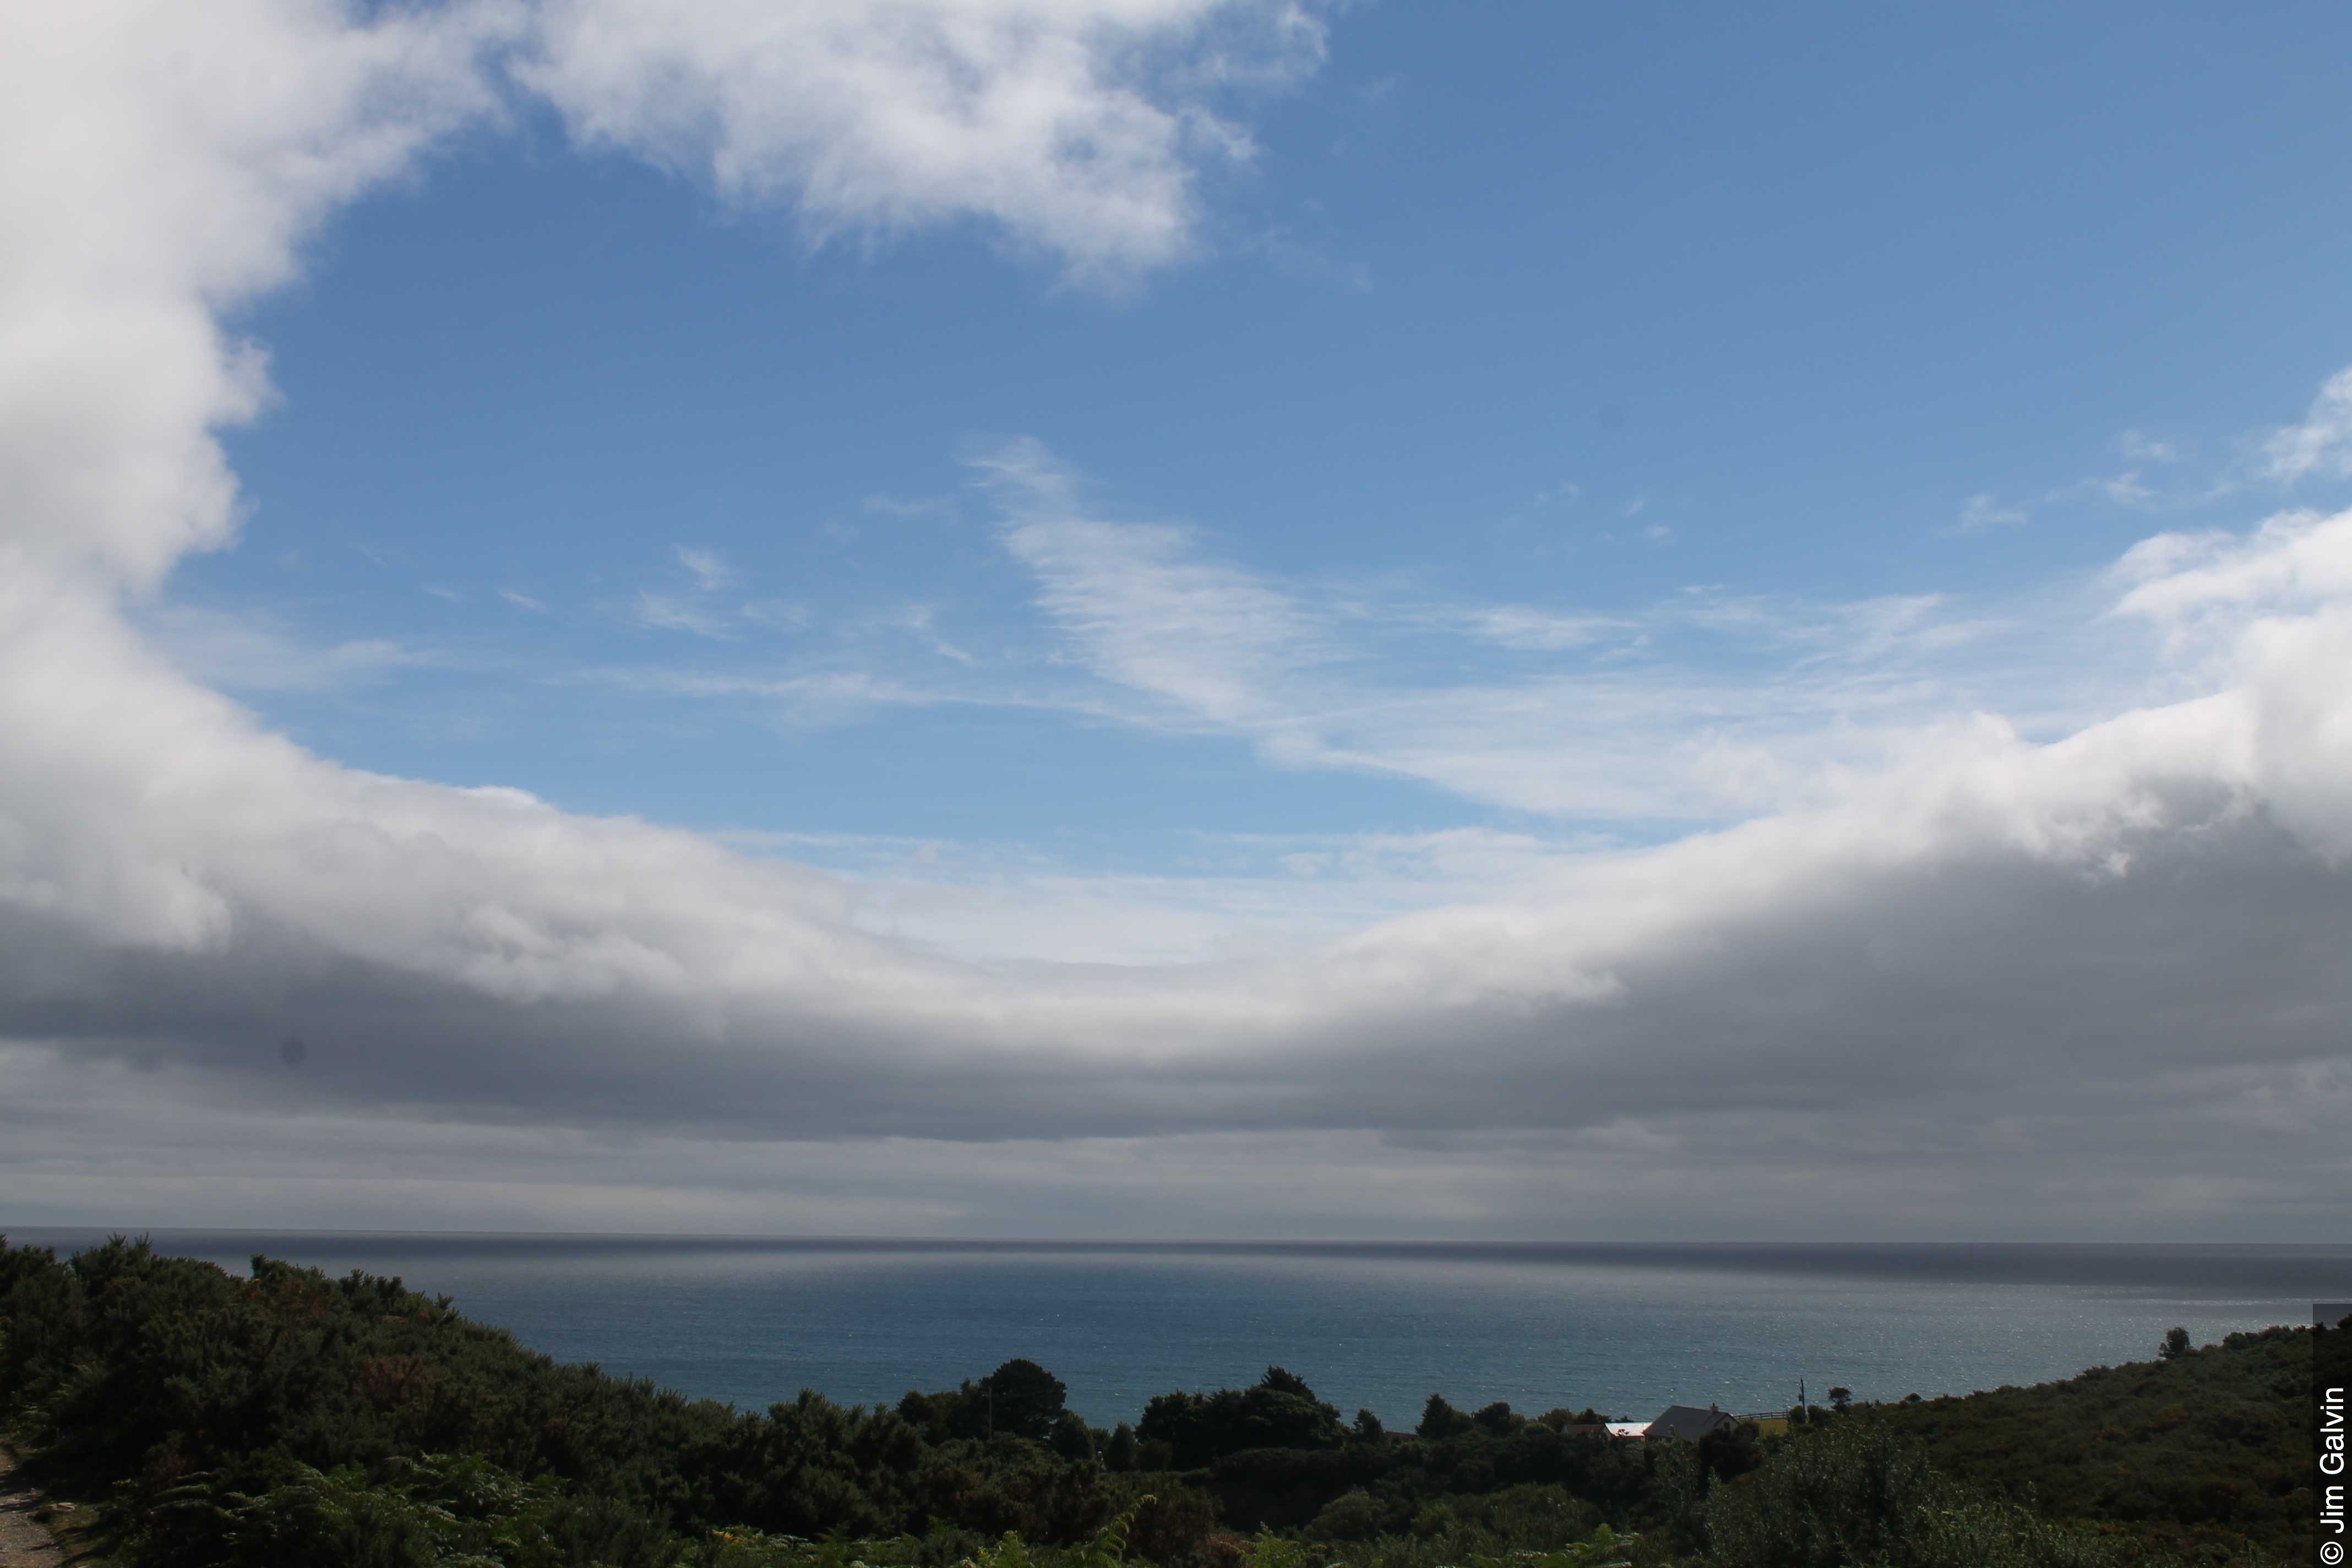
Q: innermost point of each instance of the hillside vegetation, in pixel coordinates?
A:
(291, 1420)
(2199, 1449)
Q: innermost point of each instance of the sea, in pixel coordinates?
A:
(1623, 1329)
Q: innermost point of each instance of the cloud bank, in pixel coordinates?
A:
(1962, 977)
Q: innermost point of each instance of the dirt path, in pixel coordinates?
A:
(25, 1542)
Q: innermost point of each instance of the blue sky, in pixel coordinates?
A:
(1178, 616)
(1533, 306)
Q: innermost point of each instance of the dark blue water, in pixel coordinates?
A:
(1626, 1329)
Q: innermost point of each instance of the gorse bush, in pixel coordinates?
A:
(444, 1512)
(1855, 1494)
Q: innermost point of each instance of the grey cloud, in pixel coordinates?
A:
(1998, 976)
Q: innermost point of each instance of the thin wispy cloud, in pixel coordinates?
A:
(778, 614)
(920, 622)
(696, 610)
(1707, 705)
(1981, 511)
(911, 507)
(676, 613)
(2120, 489)
(815, 696)
(256, 653)
(710, 572)
(1153, 613)
(1520, 626)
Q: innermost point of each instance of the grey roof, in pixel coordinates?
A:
(1689, 1422)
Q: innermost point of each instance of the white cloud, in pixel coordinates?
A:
(146, 198)
(942, 507)
(1075, 127)
(2141, 447)
(1203, 635)
(1982, 512)
(920, 622)
(162, 198)
(1638, 734)
(2298, 560)
(254, 653)
(709, 571)
(522, 601)
(1518, 627)
(2123, 489)
(696, 610)
(671, 613)
(1235, 897)
(2322, 443)
(778, 614)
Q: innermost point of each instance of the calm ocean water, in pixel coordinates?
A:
(1626, 1329)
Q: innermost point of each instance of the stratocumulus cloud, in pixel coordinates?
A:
(2111, 958)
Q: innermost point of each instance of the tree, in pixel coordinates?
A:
(1073, 1438)
(1440, 1420)
(1024, 1399)
(1282, 1381)
(1729, 1451)
(1367, 1428)
(1497, 1418)
(1561, 1417)
(2175, 1346)
(1119, 1452)
(1278, 1412)
(1841, 1400)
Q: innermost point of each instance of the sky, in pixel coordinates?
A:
(1176, 618)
